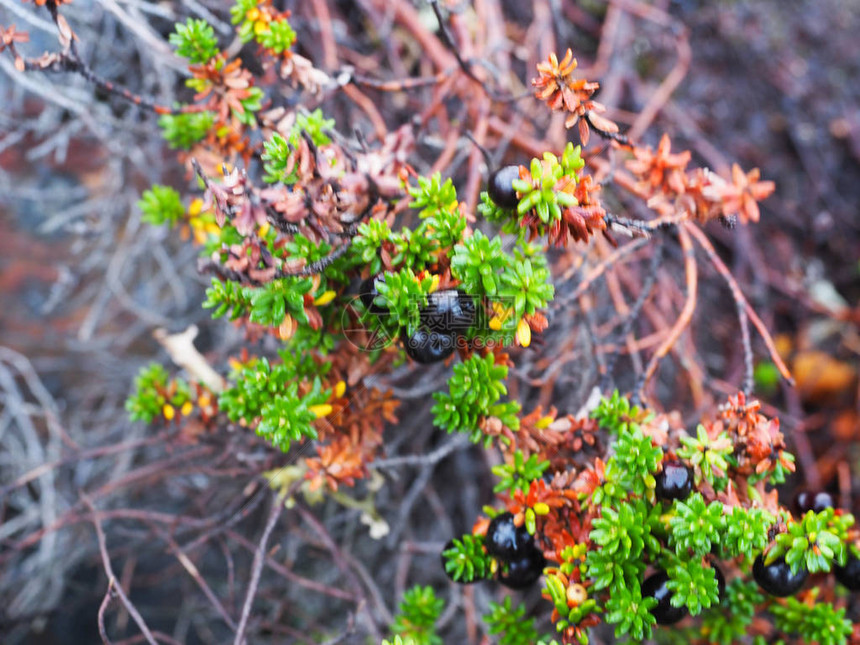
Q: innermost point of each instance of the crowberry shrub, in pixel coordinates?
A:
(339, 257)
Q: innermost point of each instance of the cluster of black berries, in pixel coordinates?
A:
(448, 313)
(521, 561)
(675, 481)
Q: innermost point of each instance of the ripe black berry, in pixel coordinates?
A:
(849, 575)
(500, 187)
(776, 578)
(675, 481)
(505, 540)
(664, 613)
(807, 500)
(524, 569)
(368, 290)
(425, 346)
(448, 311)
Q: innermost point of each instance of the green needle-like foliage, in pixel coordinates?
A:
(416, 619)
(696, 525)
(616, 414)
(745, 531)
(149, 396)
(195, 41)
(693, 585)
(432, 196)
(224, 296)
(540, 195)
(404, 296)
(630, 612)
(478, 263)
(621, 532)
(182, 131)
(415, 247)
(634, 463)
(473, 393)
(707, 455)
(161, 205)
(519, 474)
(816, 541)
(820, 623)
(527, 285)
(729, 622)
(279, 37)
(509, 624)
(467, 561)
(271, 394)
(273, 301)
(368, 243)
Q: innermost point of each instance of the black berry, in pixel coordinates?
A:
(524, 569)
(368, 290)
(807, 500)
(776, 578)
(425, 346)
(500, 187)
(849, 575)
(664, 613)
(448, 311)
(505, 540)
(675, 481)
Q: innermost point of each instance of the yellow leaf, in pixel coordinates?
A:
(544, 422)
(264, 230)
(325, 298)
(195, 207)
(321, 410)
(495, 323)
(524, 333)
(187, 408)
(168, 411)
(541, 509)
(339, 389)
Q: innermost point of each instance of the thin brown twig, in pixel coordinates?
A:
(112, 581)
(684, 318)
(256, 569)
(723, 270)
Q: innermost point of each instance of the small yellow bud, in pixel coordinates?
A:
(524, 333)
(434, 283)
(195, 207)
(544, 422)
(187, 408)
(321, 410)
(495, 323)
(252, 14)
(168, 411)
(541, 508)
(204, 401)
(264, 230)
(260, 27)
(325, 298)
(339, 389)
